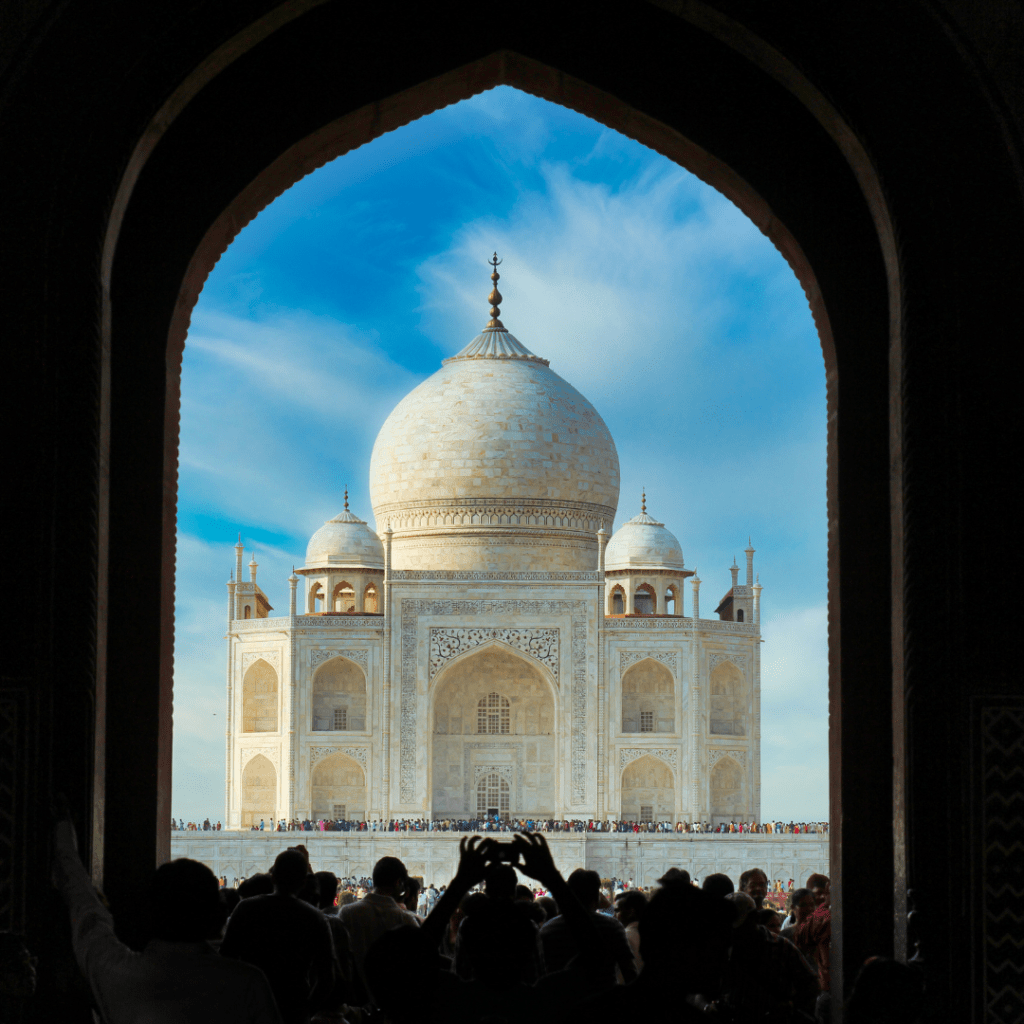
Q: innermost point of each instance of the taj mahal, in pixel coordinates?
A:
(488, 647)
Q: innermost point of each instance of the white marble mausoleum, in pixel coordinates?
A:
(487, 646)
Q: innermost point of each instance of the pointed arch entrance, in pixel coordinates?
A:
(259, 792)
(762, 126)
(493, 736)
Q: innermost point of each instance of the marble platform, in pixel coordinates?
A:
(434, 856)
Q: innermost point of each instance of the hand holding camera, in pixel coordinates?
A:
(534, 858)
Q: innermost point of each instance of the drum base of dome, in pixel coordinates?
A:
(490, 553)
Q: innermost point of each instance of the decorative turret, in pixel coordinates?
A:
(239, 551)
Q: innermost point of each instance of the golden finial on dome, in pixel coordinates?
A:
(643, 501)
(346, 497)
(495, 297)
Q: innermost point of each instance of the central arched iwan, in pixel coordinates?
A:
(493, 709)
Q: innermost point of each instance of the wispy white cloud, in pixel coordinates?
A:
(279, 414)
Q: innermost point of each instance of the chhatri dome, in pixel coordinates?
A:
(643, 543)
(344, 542)
(494, 463)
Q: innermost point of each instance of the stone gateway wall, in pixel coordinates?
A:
(434, 855)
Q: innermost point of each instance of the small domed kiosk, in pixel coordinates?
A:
(644, 568)
(345, 567)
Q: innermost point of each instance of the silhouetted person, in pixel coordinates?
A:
(327, 889)
(684, 937)
(498, 950)
(289, 940)
(814, 938)
(177, 978)
(629, 909)
(765, 978)
(377, 912)
(559, 942)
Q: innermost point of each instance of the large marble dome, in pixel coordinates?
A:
(494, 463)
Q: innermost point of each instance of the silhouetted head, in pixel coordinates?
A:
(410, 893)
(500, 881)
(524, 893)
(718, 885)
(256, 885)
(585, 886)
(801, 904)
(768, 918)
(675, 876)
(185, 902)
(820, 888)
(328, 883)
(549, 905)
(742, 907)
(630, 906)
(389, 873)
(310, 891)
(289, 872)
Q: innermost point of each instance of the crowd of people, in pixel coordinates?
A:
(497, 824)
(299, 946)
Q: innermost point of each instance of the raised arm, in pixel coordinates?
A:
(473, 857)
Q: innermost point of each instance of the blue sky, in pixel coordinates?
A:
(648, 291)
